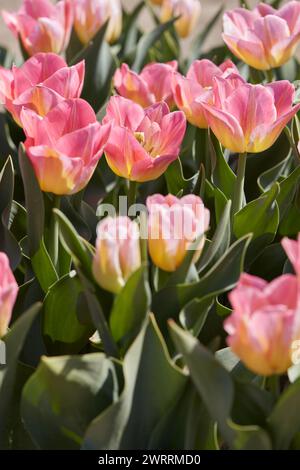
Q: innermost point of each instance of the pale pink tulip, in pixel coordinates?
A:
(189, 12)
(8, 293)
(292, 249)
(39, 84)
(148, 87)
(90, 16)
(249, 118)
(65, 146)
(264, 38)
(117, 252)
(174, 224)
(261, 328)
(42, 26)
(142, 143)
(197, 87)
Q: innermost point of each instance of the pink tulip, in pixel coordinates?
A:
(65, 146)
(174, 224)
(91, 15)
(8, 293)
(292, 248)
(189, 12)
(149, 87)
(261, 328)
(142, 143)
(249, 118)
(263, 38)
(117, 252)
(41, 25)
(39, 84)
(197, 87)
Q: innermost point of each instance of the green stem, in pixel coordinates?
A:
(132, 191)
(273, 385)
(238, 195)
(54, 233)
(269, 75)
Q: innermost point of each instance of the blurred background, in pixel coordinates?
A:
(209, 7)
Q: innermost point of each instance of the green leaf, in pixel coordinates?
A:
(270, 176)
(63, 396)
(193, 316)
(288, 188)
(284, 421)
(13, 342)
(43, 267)
(223, 176)
(63, 332)
(130, 308)
(152, 385)
(147, 41)
(251, 438)
(212, 381)
(176, 181)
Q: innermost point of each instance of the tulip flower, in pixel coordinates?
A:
(91, 15)
(249, 118)
(42, 26)
(142, 143)
(174, 224)
(65, 146)
(148, 87)
(197, 87)
(262, 327)
(8, 293)
(117, 254)
(264, 38)
(292, 248)
(39, 84)
(189, 12)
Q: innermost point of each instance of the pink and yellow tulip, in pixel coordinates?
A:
(189, 12)
(142, 143)
(42, 26)
(8, 293)
(197, 87)
(39, 84)
(264, 323)
(249, 118)
(264, 38)
(91, 15)
(174, 224)
(65, 146)
(148, 87)
(117, 252)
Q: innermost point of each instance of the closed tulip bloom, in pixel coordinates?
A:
(263, 325)
(142, 143)
(264, 38)
(197, 87)
(148, 87)
(117, 254)
(41, 25)
(39, 84)
(174, 224)
(8, 293)
(91, 15)
(65, 146)
(189, 12)
(249, 118)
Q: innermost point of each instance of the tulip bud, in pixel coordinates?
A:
(117, 254)
(8, 293)
(264, 323)
(41, 25)
(189, 12)
(174, 224)
(90, 16)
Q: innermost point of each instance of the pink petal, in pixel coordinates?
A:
(123, 112)
(283, 92)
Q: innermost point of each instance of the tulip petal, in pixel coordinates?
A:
(124, 113)
(67, 81)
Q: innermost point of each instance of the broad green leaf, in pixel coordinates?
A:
(12, 346)
(251, 438)
(176, 182)
(43, 267)
(222, 175)
(152, 385)
(270, 176)
(288, 188)
(63, 396)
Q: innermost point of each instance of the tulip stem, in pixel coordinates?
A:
(270, 75)
(53, 245)
(238, 195)
(273, 385)
(132, 191)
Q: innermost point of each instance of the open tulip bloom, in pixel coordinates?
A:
(142, 143)
(8, 293)
(39, 84)
(264, 38)
(42, 26)
(65, 146)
